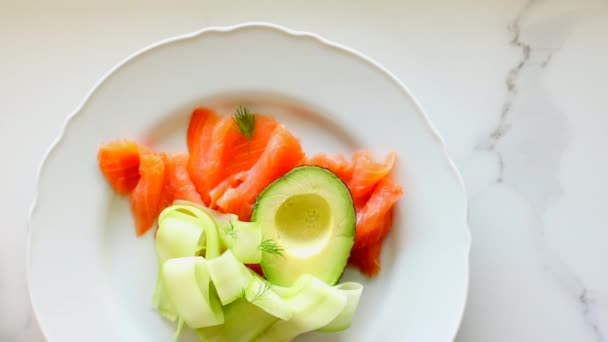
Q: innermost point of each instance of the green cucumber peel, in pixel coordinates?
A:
(229, 276)
(212, 294)
(243, 239)
(182, 214)
(352, 291)
(260, 293)
(243, 322)
(189, 288)
(315, 305)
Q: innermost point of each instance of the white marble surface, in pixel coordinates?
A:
(516, 88)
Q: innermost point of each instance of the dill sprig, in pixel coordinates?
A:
(231, 230)
(259, 295)
(244, 121)
(271, 247)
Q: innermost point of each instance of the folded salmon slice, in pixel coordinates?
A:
(367, 259)
(231, 153)
(200, 142)
(372, 217)
(218, 150)
(178, 184)
(367, 173)
(360, 174)
(146, 196)
(132, 169)
(339, 165)
(243, 153)
(282, 153)
(231, 182)
(374, 195)
(119, 163)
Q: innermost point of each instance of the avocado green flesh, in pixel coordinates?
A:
(309, 213)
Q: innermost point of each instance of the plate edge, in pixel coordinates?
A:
(250, 24)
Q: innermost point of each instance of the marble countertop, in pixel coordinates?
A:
(516, 88)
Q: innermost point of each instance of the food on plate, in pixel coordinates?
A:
(282, 154)
(374, 195)
(178, 184)
(119, 163)
(223, 147)
(203, 285)
(309, 212)
(146, 196)
(249, 226)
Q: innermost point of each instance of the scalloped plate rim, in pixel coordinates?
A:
(291, 32)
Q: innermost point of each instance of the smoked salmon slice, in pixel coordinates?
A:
(367, 259)
(282, 153)
(360, 174)
(119, 163)
(146, 196)
(231, 182)
(197, 124)
(218, 150)
(245, 153)
(232, 153)
(178, 185)
(374, 195)
(338, 165)
(371, 218)
(200, 141)
(367, 173)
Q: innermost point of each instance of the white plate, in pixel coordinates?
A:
(91, 279)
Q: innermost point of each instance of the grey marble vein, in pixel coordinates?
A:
(571, 284)
(512, 90)
(526, 74)
(587, 302)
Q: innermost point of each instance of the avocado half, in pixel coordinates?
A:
(309, 214)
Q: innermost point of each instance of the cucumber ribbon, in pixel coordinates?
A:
(204, 284)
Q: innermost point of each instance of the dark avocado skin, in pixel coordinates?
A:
(295, 169)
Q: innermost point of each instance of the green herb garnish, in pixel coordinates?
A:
(259, 295)
(271, 247)
(231, 231)
(244, 121)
